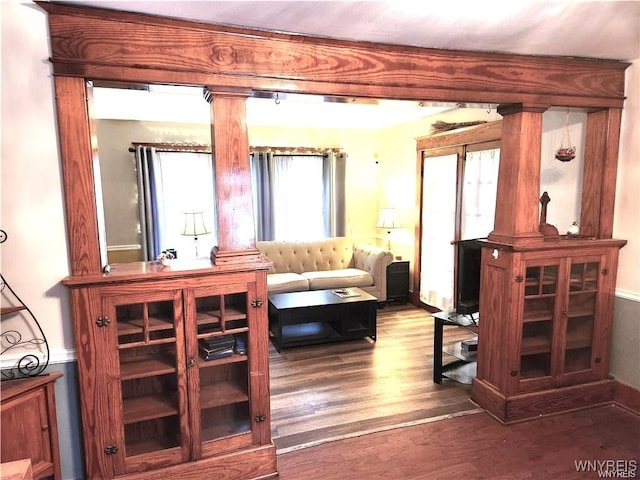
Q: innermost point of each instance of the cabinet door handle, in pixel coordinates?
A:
(103, 321)
(257, 303)
(111, 449)
(260, 418)
(192, 362)
(564, 314)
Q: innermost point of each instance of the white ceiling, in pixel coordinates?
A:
(594, 29)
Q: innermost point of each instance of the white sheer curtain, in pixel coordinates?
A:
(184, 182)
(479, 193)
(438, 229)
(298, 196)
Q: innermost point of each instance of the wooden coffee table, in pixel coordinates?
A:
(320, 316)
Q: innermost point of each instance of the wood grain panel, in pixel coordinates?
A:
(259, 462)
(234, 200)
(516, 219)
(92, 36)
(610, 170)
(260, 379)
(401, 92)
(491, 353)
(92, 344)
(477, 134)
(79, 186)
(592, 175)
(531, 405)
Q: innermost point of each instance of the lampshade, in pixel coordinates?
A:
(194, 224)
(388, 218)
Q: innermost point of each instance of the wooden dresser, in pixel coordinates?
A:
(29, 424)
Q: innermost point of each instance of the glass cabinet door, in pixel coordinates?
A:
(580, 315)
(540, 300)
(219, 369)
(151, 363)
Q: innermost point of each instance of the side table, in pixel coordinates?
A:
(29, 424)
(398, 281)
(463, 368)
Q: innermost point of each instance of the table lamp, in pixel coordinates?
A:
(193, 226)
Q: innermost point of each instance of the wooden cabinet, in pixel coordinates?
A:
(545, 327)
(29, 424)
(149, 398)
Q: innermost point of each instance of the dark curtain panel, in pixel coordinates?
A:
(334, 173)
(148, 202)
(262, 179)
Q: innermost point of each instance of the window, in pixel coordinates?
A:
(171, 184)
(298, 196)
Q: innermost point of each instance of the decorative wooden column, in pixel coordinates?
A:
(234, 200)
(599, 175)
(517, 202)
(78, 152)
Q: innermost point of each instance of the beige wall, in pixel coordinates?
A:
(626, 221)
(625, 354)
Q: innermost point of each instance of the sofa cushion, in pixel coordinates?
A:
(347, 277)
(286, 282)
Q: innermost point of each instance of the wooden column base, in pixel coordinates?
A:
(234, 257)
(515, 408)
(530, 238)
(260, 463)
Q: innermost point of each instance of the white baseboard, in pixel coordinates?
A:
(55, 357)
(627, 295)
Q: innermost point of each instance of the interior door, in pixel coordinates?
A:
(438, 218)
(458, 203)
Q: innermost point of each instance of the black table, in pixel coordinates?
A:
(320, 316)
(463, 368)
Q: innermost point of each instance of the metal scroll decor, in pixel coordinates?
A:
(24, 349)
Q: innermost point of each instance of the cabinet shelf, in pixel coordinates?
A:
(221, 431)
(133, 326)
(456, 350)
(215, 316)
(578, 341)
(148, 367)
(222, 361)
(534, 281)
(148, 407)
(151, 445)
(221, 393)
(537, 316)
(539, 295)
(535, 344)
(582, 312)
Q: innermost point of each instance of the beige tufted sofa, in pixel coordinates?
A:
(336, 262)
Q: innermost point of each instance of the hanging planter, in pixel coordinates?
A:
(566, 154)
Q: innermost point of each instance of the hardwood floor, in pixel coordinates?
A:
(325, 392)
(327, 397)
(476, 447)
